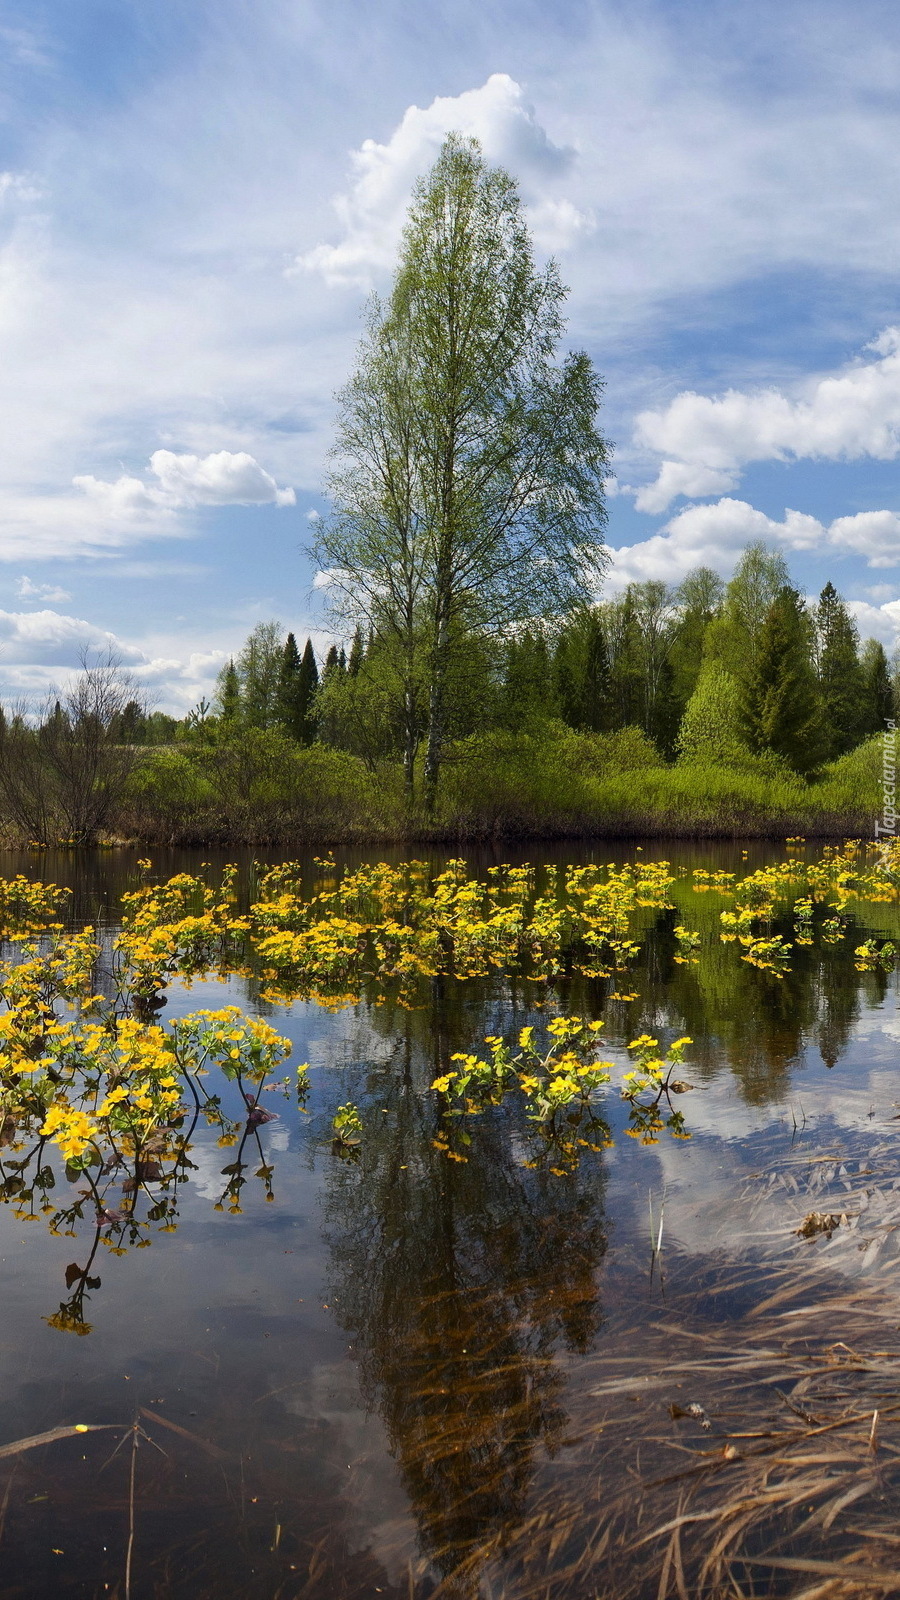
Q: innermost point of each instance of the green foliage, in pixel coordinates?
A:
(254, 786)
(735, 634)
(297, 685)
(780, 709)
(842, 686)
(699, 599)
(228, 693)
(581, 673)
(347, 1125)
(527, 696)
(711, 728)
(258, 669)
(878, 698)
(470, 490)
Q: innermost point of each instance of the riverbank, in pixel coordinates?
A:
(553, 785)
(262, 790)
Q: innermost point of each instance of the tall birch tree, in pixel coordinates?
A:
(468, 483)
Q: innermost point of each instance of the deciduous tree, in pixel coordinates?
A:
(469, 490)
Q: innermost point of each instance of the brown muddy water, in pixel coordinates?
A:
(413, 1377)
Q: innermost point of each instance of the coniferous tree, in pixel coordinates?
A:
(356, 653)
(625, 676)
(307, 685)
(595, 691)
(228, 693)
(567, 677)
(839, 673)
(528, 693)
(291, 703)
(581, 673)
(780, 706)
(878, 701)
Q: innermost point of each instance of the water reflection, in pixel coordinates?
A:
(462, 1284)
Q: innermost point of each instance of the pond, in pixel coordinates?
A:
(455, 1355)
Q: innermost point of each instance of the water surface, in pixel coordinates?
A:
(410, 1376)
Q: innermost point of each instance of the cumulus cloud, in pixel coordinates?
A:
(372, 211)
(26, 590)
(49, 638)
(42, 651)
(706, 442)
(712, 535)
(877, 622)
(224, 478)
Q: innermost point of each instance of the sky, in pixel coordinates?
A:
(196, 199)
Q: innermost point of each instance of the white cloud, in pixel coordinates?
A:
(712, 535)
(221, 479)
(52, 639)
(706, 441)
(127, 498)
(26, 590)
(371, 213)
(224, 478)
(878, 622)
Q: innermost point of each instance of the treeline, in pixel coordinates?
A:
(708, 671)
(703, 709)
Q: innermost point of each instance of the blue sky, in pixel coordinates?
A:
(196, 198)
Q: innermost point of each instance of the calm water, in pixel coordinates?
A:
(408, 1376)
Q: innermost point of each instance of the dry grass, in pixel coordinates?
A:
(749, 1456)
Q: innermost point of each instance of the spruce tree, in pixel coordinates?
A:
(878, 705)
(626, 686)
(308, 683)
(290, 706)
(228, 693)
(528, 692)
(839, 673)
(356, 653)
(780, 708)
(581, 673)
(595, 693)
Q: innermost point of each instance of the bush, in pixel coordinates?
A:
(255, 788)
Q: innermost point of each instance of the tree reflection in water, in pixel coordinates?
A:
(463, 1284)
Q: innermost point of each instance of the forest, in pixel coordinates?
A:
(709, 709)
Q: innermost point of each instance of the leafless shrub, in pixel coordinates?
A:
(63, 775)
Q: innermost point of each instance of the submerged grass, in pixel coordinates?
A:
(709, 1455)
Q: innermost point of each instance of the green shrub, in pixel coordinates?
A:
(256, 787)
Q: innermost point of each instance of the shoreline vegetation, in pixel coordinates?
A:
(706, 711)
(555, 784)
(559, 734)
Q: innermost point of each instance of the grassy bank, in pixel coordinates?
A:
(551, 783)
